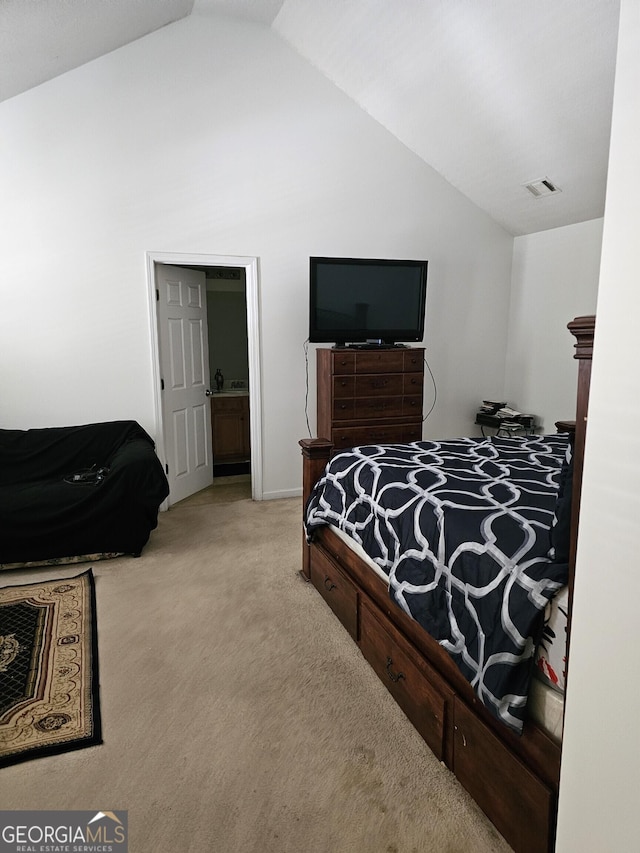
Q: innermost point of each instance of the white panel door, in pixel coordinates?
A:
(184, 363)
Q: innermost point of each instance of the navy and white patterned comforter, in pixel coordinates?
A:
(463, 529)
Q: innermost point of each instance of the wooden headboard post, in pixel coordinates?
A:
(582, 328)
(315, 455)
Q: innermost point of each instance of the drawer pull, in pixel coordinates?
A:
(392, 675)
(328, 584)
(464, 740)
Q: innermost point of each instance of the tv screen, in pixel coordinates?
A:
(366, 300)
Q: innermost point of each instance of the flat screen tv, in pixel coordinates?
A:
(366, 301)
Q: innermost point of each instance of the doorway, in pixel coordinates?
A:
(229, 371)
(249, 269)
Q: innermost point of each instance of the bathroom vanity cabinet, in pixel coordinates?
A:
(230, 427)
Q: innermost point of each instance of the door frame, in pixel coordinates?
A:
(250, 266)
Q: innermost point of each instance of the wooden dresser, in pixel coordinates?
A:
(369, 396)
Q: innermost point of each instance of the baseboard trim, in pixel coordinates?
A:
(284, 493)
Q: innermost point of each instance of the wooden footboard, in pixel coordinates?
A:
(513, 779)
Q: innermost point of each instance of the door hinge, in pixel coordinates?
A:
(162, 384)
(166, 468)
(157, 295)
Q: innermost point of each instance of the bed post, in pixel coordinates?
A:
(315, 455)
(582, 328)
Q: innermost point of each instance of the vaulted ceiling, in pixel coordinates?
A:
(493, 94)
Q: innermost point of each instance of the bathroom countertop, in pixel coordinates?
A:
(241, 393)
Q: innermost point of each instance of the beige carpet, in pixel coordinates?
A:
(238, 715)
(223, 490)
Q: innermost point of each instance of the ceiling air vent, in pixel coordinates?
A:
(542, 187)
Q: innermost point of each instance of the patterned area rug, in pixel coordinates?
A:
(49, 699)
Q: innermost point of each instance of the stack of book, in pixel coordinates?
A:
(507, 414)
(502, 416)
(490, 407)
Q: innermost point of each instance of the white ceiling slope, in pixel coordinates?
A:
(40, 39)
(492, 94)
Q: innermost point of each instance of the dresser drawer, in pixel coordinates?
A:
(378, 407)
(344, 385)
(343, 361)
(413, 383)
(412, 432)
(410, 680)
(391, 434)
(344, 409)
(336, 589)
(413, 360)
(384, 361)
(412, 406)
(380, 385)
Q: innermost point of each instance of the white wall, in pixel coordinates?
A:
(600, 777)
(555, 278)
(227, 326)
(212, 136)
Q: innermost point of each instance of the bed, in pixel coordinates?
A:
(451, 565)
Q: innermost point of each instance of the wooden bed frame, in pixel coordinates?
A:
(513, 779)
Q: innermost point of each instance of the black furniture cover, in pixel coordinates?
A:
(71, 491)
